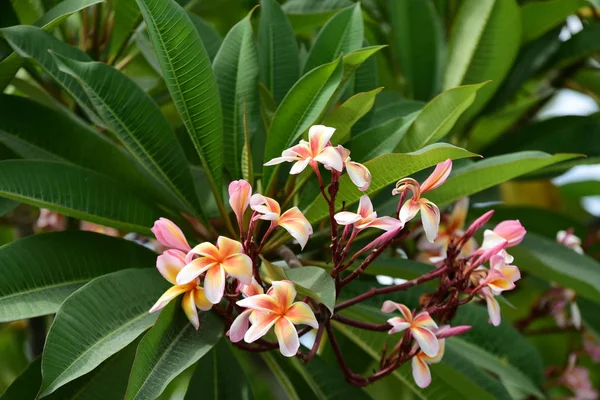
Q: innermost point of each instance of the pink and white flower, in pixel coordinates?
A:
(421, 362)
(169, 235)
(358, 173)
(577, 379)
(510, 232)
(501, 276)
(169, 264)
(365, 217)
(430, 213)
(317, 150)
(292, 220)
(421, 326)
(240, 325)
(567, 239)
(275, 308)
(239, 198)
(218, 262)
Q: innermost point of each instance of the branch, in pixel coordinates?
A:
(288, 256)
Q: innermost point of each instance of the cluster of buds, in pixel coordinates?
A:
(225, 277)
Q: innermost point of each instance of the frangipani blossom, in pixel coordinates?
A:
(510, 231)
(501, 276)
(420, 365)
(365, 217)
(430, 213)
(420, 326)
(358, 173)
(169, 264)
(169, 235)
(316, 150)
(225, 259)
(239, 198)
(569, 240)
(276, 308)
(240, 325)
(292, 220)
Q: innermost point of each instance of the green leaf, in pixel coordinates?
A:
(341, 35)
(138, 122)
(27, 384)
(77, 192)
(313, 282)
(189, 77)
(34, 43)
(300, 108)
(127, 17)
(11, 64)
(579, 189)
(483, 47)
(418, 44)
(210, 38)
(34, 286)
(438, 116)
(386, 169)
(539, 17)
(484, 174)
(236, 71)
(219, 376)
(277, 49)
(7, 205)
(97, 321)
(551, 261)
(171, 346)
(381, 139)
(280, 376)
(306, 15)
(345, 116)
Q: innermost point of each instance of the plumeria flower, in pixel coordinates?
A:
(560, 299)
(51, 220)
(292, 220)
(169, 235)
(240, 325)
(569, 240)
(511, 232)
(430, 213)
(275, 308)
(421, 362)
(420, 326)
(224, 259)
(169, 264)
(358, 173)
(365, 217)
(501, 276)
(239, 198)
(316, 150)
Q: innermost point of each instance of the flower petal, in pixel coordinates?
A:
(261, 323)
(214, 284)
(359, 175)
(239, 327)
(228, 247)
(424, 320)
(365, 206)
(206, 249)
(189, 308)
(512, 231)
(459, 215)
(253, 289)
(239, 198)
(421, 373)
(265, 205)
(318, 137)
(408, 211)
(426, 340)
(389, 306)
(297, 225)
(170, 263)
(346, 218)
(386, 223)
(194, 270)
(261, 302)
(330, 157)
(167, 297)
(284, 293)
(299, 166)
(169, 235)
(438, 176)
(240, 267)
(200, 299)
(492, 306)
(398, 325)
(430, 215)
(279, 160)
(287, 336)
(301, 313)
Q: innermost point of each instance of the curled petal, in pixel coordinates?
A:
(346, 218)
(430, 215)
(189, 308)
(318, 137)
(359, 175)
(200, 300)
(253, 289)
(261, 323)
(424, 320)
(239, 327)
(170, 263)
(279, 160)
(287, 336)
(260, 302)
(365, 206)
(206, 249)
(214, 284)
(301, 313)
(239, 198)
(398, 325)
(330, 157)
(284, 293)
(297, 225)
(438, 176)
(426, 340)
(512, 231)
(169, 235)
(408, 211)
(167, 297)
(240, 267)
(498, 282)
(421, 373)
(228, 247)
(438, 357)
(266, 206)
(300, 165)
(194, 270)
(389, 306)
(386, 224)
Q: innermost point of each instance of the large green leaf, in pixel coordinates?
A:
(210, 38)
(483, 46)
(484, 174)
(33, 286)
(438, 116)
(277, 49)
(11, 64)
(341, 35)
(539, 17)
(218, 376)
(300, 108)
(53, 135)
(138, 122)
(34, 43)
(386, 170)
(98, 320)
(188, 74)
(418, 44)
(306, 15)
(552, 261)
(172, 345)
(236, 71)
(77, 192)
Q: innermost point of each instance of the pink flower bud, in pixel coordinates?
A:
(445, 331)
(169, 235)
(512, 231)
(239, 198)
(478, 223)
